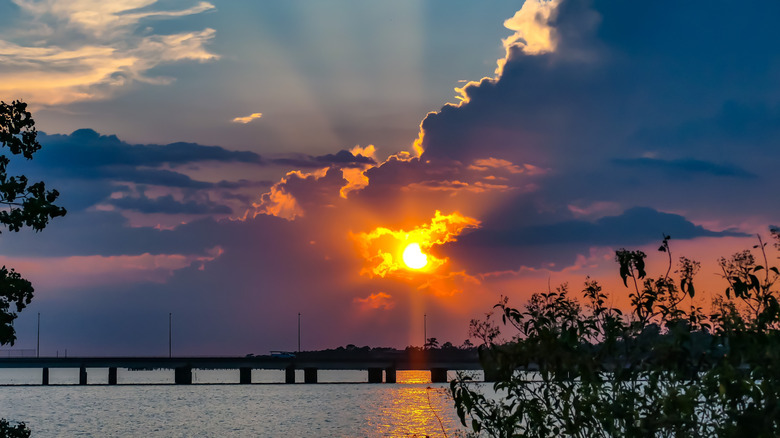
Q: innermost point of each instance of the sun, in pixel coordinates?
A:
(413, 256)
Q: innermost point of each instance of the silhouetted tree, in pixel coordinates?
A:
(483, 330)
(23, 205)
(665, 368)
(18, 430)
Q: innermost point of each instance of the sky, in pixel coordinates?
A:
(233, 164)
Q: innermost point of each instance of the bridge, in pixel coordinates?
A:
(376, 365)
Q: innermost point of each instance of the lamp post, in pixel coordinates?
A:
(38, 346)
(299, 332)
(170, 317)
(425, 331)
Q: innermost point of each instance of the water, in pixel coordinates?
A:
(412, 407)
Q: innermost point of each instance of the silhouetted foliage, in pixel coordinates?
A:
(483, 330)
(666, 368)
(18, 430)
(21, 205)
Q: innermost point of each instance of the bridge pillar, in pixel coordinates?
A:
(310, 375)
(289, 374)
(45, 377)
(112, 375)
(390, 375)
(183, 375)
(439, 375)
(82, 376)
(375, 375)
(245, 375)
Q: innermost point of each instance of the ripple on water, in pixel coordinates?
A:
(267, 410)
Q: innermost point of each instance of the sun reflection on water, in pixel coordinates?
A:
(415, 408)
(413, 376)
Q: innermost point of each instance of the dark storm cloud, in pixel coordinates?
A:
(685, 167)
(242, 183)
(636, 226)
(168, 205)
(157, 177)
(557, 244)
(619, 70)
(343, 158)
(86, 148)
(87, 168)
(751, 127)
(85, 154)
(670, 105)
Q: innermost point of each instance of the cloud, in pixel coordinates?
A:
(342, 159)
(278, 202)
(494, 247)
(183, 177)
(89, 271)
(551, 165)
(246, 119)
(601, 113)
(383, 248)
(635, 226)
(168, 205)
(561, 148)
(684, 168)
(86, 148)
(87, 49)
(534, 35)
(375, 301)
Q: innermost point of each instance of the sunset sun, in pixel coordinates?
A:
(413, 256)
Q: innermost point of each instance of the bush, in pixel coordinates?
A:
(663, 368)
(19, 430)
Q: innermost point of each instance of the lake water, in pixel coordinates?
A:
(152, 407)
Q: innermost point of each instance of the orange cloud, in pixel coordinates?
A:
(454, 283)
(379, 300)
(368, 151)
(383, 247)
(356, 180)
(105, 54)
(278, 202)
(455, 187)
(495, 163)
(246, 119)
(355, 176)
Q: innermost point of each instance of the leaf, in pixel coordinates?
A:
(754, 283)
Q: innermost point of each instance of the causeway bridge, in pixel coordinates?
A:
(377, 366)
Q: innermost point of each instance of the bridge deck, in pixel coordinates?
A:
(262, 362)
